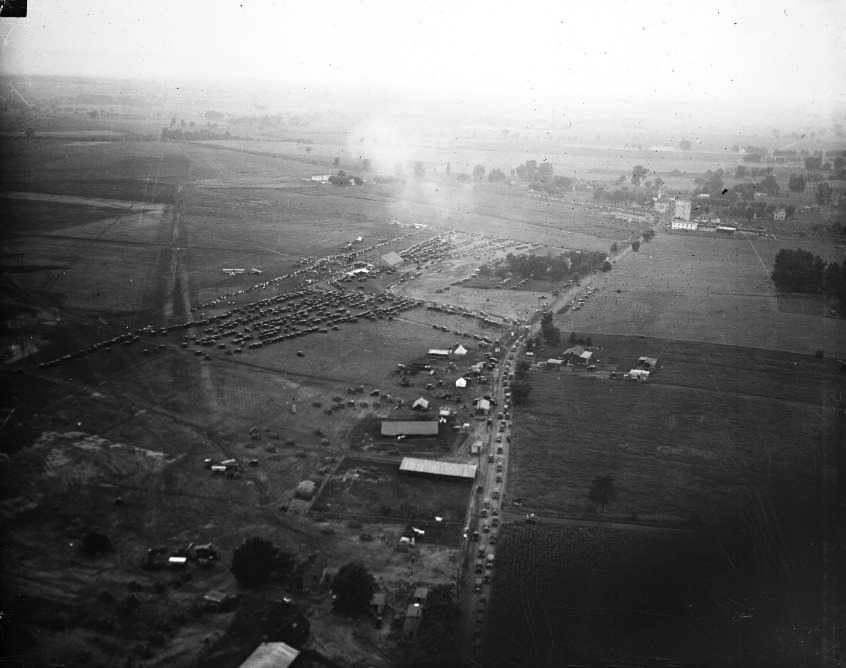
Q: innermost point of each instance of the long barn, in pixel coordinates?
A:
(437, 468)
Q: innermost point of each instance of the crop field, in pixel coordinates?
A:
(701, 288)
(373, 490)
(588, 596)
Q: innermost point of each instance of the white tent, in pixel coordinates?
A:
(460, 350)
(461, 383)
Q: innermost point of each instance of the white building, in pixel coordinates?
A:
(682, 209)
(684, 225)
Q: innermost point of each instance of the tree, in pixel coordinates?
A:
(823, 192)
(648, 235)
(602, 491)
(252, 561)
(336, 162)
(366, 165)
(353, 588)
(740, 172)
(93, 113)
(789, 210)
(769, 185)
(796, 183)
(308, 149)
(635, 245)
(520, 391)
(614, 247)
(479, 172)
(464, 177)
(605, 266)
(521, 371)
(545, 171)
(638, 173)
(496, 176)
(95, 543)
(659, 182)
(684, 145)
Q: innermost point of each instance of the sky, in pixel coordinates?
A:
(732, 53)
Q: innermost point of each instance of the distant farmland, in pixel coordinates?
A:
(704, 288)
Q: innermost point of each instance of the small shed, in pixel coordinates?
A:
(438, 352)
(461, 382)
(554, 363)
(420, 596)
(483, 406)
(305, 490)
(578, 355)
(377, 603)
(420, 405)
(411, 625)
(214, 600)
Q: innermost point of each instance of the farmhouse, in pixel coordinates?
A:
(648, 363)
(409, 427)
(639, 374)
(577, 355)
(726, 229)
(554, 363)
(437, 468)
(271, 655)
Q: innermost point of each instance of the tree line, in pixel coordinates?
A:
(802, 271)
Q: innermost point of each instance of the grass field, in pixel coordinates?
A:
(582, 596)
(704, 288)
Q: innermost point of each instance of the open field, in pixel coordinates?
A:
(588, 596)
(713, 421)
(704, 288)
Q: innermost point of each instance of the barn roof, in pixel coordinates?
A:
(410, 427)
(437, 467)
(271, 655)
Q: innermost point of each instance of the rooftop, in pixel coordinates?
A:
(271, 655)
(437, 467)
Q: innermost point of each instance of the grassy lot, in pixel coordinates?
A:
(704, 288)
(713, 423)
(580, 596)
(368, 490)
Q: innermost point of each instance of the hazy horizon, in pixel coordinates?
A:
(671, 64)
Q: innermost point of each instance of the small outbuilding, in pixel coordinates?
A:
(578, 355)
(420, 596)
(411, 625)
(271, 655)
(461, 382)
(377, 603)
(459, 350)
(438, 352)
(420, 405)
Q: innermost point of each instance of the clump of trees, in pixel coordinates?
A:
(571, 264)
(802, 271)
(257, 559)
(439, 637)
(576, 340)
(353, 588)
(341, 179)
(520, 386)
(550, 333)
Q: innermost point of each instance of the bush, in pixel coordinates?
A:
(635, 246)
(819, 354)
(353, 588)
(253, 561)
